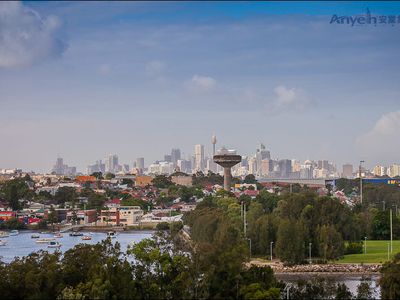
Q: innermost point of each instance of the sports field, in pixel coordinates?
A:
(377, 252)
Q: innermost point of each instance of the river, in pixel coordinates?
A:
(22, 244)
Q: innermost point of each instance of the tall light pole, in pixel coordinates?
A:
(270, 249)
(388, 252)
(361, 187)
(309, 251)
(244, 220)
(391, 231)
(365, 245)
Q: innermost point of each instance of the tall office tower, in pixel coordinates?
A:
(167, 158)
(347, 171)
(140, 163)
(112, 163)
(261, 154)
(198, 158)
(59, 167)
(265, 167)
(175, 156)
(285, 168)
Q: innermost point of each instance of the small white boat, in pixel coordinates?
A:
(58, 235)
(45, 241)
(86, 238)
(14, 232)
(54, 244)
(111, 234)
(3, 243)
(44, 232)
(35, 236)
(4, 234)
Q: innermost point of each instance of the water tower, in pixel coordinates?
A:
(227, 159)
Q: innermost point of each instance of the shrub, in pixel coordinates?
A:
(354, 248)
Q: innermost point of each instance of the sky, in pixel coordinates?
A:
(83, 80)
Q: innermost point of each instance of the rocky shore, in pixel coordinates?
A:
(278, 267)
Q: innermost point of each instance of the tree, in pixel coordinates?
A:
(109, 176)
(13, 198)
(390, 279)
(162, 181)
(98, 175)
(290, 244)
(52, 217)
(250, 178)
(65, 194)
(331, 245)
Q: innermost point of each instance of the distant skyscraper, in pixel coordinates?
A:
(140, 163)
(112, 163)
(167, 158)
(198, 158)
(175, 156)
(60, 169)
(285, 168)
(347, 171)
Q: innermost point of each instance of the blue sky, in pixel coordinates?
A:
(85, 79)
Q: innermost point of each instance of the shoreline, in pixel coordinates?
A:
(85, 229)
(321, 269)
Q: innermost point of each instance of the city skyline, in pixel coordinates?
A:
(169, 74)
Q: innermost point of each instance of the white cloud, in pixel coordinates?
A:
(287, 99)
(26, 37)
(382, 142)
(203, 82)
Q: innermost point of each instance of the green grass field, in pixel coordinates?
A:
(377, 252)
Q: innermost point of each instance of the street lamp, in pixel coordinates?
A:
(361, 191)
(365, 245)
(270, 249)
(309, 251)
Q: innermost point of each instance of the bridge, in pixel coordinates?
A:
(308, 182)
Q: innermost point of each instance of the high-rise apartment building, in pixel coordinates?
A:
(394, 170)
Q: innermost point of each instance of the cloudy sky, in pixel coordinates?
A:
(86, 79)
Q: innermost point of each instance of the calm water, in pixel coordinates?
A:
(22, 244)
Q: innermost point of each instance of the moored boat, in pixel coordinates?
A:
(86, 238)
(58, 235)
(54, 244)
(76, 233)
(4, 234)
(111, 234)
(3, 243)
(45, 241)
(14, 232)
(35, 236)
